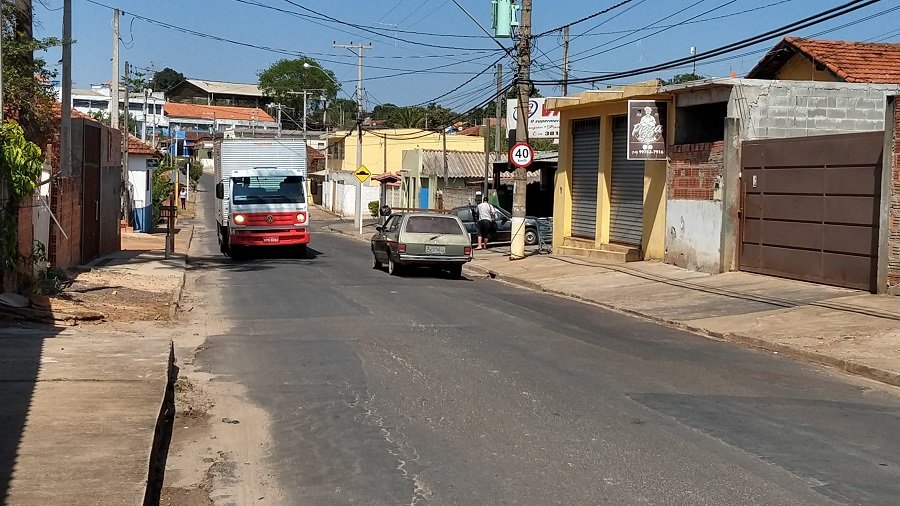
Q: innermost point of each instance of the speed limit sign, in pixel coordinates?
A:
(521, 155)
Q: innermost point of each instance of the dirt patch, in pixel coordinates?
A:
(193, 496)
(118, 296)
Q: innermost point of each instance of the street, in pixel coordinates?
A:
(390, 390)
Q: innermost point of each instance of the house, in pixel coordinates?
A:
(426, 185)
(710, 198)
(217, 118)
(801, 59)
(383, 149)
(202, 91)
(145, 108)
(142, 160)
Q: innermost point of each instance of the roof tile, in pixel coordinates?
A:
(179, 110)
(854, 62)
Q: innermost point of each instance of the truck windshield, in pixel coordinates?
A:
(268, 190)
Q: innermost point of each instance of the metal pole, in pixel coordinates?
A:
(65, 128)
(565, 68)
(517, 249)
(114, 82)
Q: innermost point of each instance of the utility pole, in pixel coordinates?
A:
(517, 249)
(359, 117)
(446, 167)
(144, 122)
(114, 82)
(126, 136)
(497, 129)
(565, 67)
(65, 127)
(279, 107)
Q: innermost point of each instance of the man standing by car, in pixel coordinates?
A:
(485, 222)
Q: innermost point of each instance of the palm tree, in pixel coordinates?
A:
(408, 117)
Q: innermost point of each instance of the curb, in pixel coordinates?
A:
(352, 235)
(848, 366)
(162, 434)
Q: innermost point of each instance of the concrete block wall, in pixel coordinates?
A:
(455, 197)
(695, 171)
(894, 222)
(780, 109)
(66, 204)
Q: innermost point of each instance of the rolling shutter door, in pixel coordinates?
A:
(585, 167)
(626, 222)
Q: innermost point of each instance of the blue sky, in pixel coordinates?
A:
(605, 43)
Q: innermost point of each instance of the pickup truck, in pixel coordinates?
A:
(535, 228)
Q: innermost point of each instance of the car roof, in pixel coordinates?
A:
(429, 214)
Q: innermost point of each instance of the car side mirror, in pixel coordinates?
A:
(385, 210)
(379, 228)
(220, 191)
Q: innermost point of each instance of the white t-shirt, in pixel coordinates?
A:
(485, 211)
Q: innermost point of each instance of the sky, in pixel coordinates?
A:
(451, 59)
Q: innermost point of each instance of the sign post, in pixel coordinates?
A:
(362, 174)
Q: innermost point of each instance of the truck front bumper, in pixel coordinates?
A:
(291, 237)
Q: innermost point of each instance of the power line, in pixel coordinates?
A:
(586, 18)
(807, 22)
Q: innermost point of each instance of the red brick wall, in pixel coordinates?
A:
(894, 222)
(695, 170)
(66, 204)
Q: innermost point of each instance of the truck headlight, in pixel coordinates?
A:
(301, 217)
(239, 219)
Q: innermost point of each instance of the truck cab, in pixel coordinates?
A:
(263, 207)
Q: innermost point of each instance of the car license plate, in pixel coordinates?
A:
(270, 239)
(435, 250)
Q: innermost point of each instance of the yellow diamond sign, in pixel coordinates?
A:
(362, 173)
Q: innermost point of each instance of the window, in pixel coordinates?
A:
(78, 102)
(465, 214)
(336, 151)
(444, 225)
(268, 190)
(148, 179)
(136, 106)
(700, 123)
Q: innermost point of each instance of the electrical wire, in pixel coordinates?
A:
(586, 18)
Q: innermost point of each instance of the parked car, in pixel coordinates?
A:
(424, 239)
(535, 228)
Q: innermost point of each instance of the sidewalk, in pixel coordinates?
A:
(87, 408)
(854, 331)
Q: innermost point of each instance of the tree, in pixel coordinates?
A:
(28, 95)
(341, 113)
(682, 78)
(165, 79)
(284, 78)
(408, 117)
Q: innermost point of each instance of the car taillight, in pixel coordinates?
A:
(239, 219)
(401, 248)
(301, 217)
(467, 250)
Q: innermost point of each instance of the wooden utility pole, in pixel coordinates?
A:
(65, 126)
(517, 249)
(114, 82)
(565, 65)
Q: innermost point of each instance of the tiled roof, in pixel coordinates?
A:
(854, 62)
(313, 153)
(211, 112)
(459, 163)
(139, 147)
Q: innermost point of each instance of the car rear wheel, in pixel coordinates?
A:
(393, 267)
(456, 271)
(531, 237)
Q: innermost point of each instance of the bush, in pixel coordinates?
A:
(162, 189)
(196, 172)
(373, 208)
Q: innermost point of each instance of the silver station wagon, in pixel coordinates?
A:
(422, 239)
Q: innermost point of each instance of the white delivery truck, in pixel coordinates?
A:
(261, 194)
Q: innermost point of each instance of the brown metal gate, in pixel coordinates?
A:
(90, 195)
(811, 208)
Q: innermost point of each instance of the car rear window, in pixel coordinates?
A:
(433, 225)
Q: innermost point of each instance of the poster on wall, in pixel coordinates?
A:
(646, 130)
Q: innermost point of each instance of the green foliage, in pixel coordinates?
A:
(284, 78)
(681, 79)
(373, 208)
(162, 189)
(20, 166)
(341, 108)
(165, 79)
(196, 172)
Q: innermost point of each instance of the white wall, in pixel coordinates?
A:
(344, 199)
(137, 176)
(693, 234)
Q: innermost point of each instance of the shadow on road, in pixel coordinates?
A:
(21, 348)
(260, 259)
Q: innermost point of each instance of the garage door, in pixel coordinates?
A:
(811, 208)
(626, 203)
(585, 167)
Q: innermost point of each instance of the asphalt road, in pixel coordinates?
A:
(388, 390)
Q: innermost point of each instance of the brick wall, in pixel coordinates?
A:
(894, 235)
(695, 171)
(66, 204)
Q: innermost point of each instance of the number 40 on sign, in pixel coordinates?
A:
(521, 155)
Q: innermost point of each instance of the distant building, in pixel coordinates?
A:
(217, 118)
(95, 99)
(200, 91)
(801, 59)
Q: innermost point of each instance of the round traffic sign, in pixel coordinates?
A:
(521, 155)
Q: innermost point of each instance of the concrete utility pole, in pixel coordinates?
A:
(65, 127)
(126, 195)
(114, 82)
(359, 118)
(144, 122)
(497, 130)
(517, 249)
(446, 166)
(565, 67)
